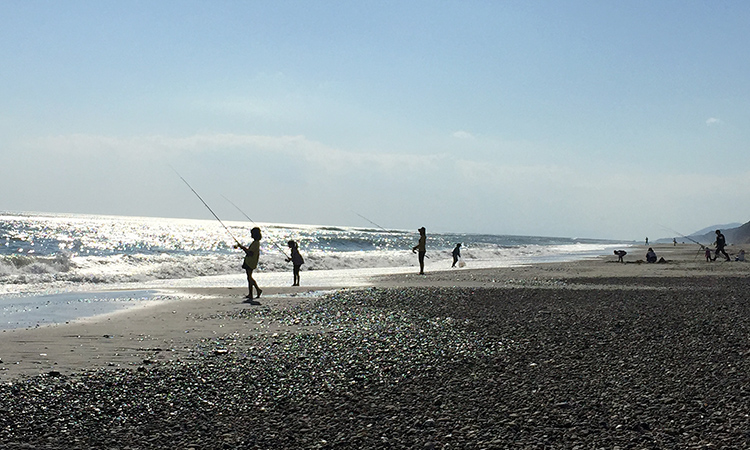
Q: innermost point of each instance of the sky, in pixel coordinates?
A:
(598, 119)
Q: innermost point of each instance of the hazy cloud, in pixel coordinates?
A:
(713, 121)
(297, 147)
(460, 134)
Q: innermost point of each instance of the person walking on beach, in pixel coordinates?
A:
(708, 255)
(296, 260)
(456, 254)
(721, 242)
(421, 249)
(250, 263)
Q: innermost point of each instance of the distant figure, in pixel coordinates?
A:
(296, 260)
(646, 241)
(456, 254)
(620, 254)
(650, 255)
(708, 255)
(250, 263)
(721, 242)
(740, 256)
(674, 242)
(421, 249)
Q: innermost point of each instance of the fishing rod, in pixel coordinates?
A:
(251, 220)
(703, 247)
(360, 215)
(387, 231)
(206, 205)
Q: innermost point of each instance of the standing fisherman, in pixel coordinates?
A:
(421, 247)
(252, 253)
(456, 254)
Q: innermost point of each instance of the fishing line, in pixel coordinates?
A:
(206, 205)
(360, 215)
(251, 220)
(387, 231)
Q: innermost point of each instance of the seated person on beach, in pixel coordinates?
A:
(620, 254)
(650, 255)
(740, 256)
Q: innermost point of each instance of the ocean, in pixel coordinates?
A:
(74, 265)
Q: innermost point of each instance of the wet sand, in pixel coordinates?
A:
(165, 330)
(590, 354)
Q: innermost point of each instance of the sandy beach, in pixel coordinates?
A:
(587, 354)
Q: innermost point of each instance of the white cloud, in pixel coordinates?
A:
(713, 121)
(298, 147)
(460, 134)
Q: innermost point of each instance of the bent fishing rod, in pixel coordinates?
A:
(206, 205)
(251, 220)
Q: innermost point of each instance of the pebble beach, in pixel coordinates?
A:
(584, 355)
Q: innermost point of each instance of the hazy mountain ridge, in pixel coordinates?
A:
(735, 233)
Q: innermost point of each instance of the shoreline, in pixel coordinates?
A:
(127, 337)
(554, 355)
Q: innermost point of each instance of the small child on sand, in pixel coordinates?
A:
(708, 255)
(296, 260)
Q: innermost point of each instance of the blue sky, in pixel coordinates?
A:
(578, 118)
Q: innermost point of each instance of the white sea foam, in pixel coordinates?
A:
(42, 253)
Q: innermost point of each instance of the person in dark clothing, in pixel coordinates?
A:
(721, 242)
(296, 260)
(421, 249)
(651, 255)
(456, 254)
(250, 263)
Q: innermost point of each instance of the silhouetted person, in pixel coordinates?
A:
(721, 242)
(252, 254)
(650, 255)
(708, 255)
(421, 249)
(456, 254)
(296, 260)
(646, 241)
(620, 254)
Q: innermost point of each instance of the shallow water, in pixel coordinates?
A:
(59, 267)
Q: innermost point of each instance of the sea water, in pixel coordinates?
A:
(47, 255)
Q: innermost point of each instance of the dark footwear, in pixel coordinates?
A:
(259, 292)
